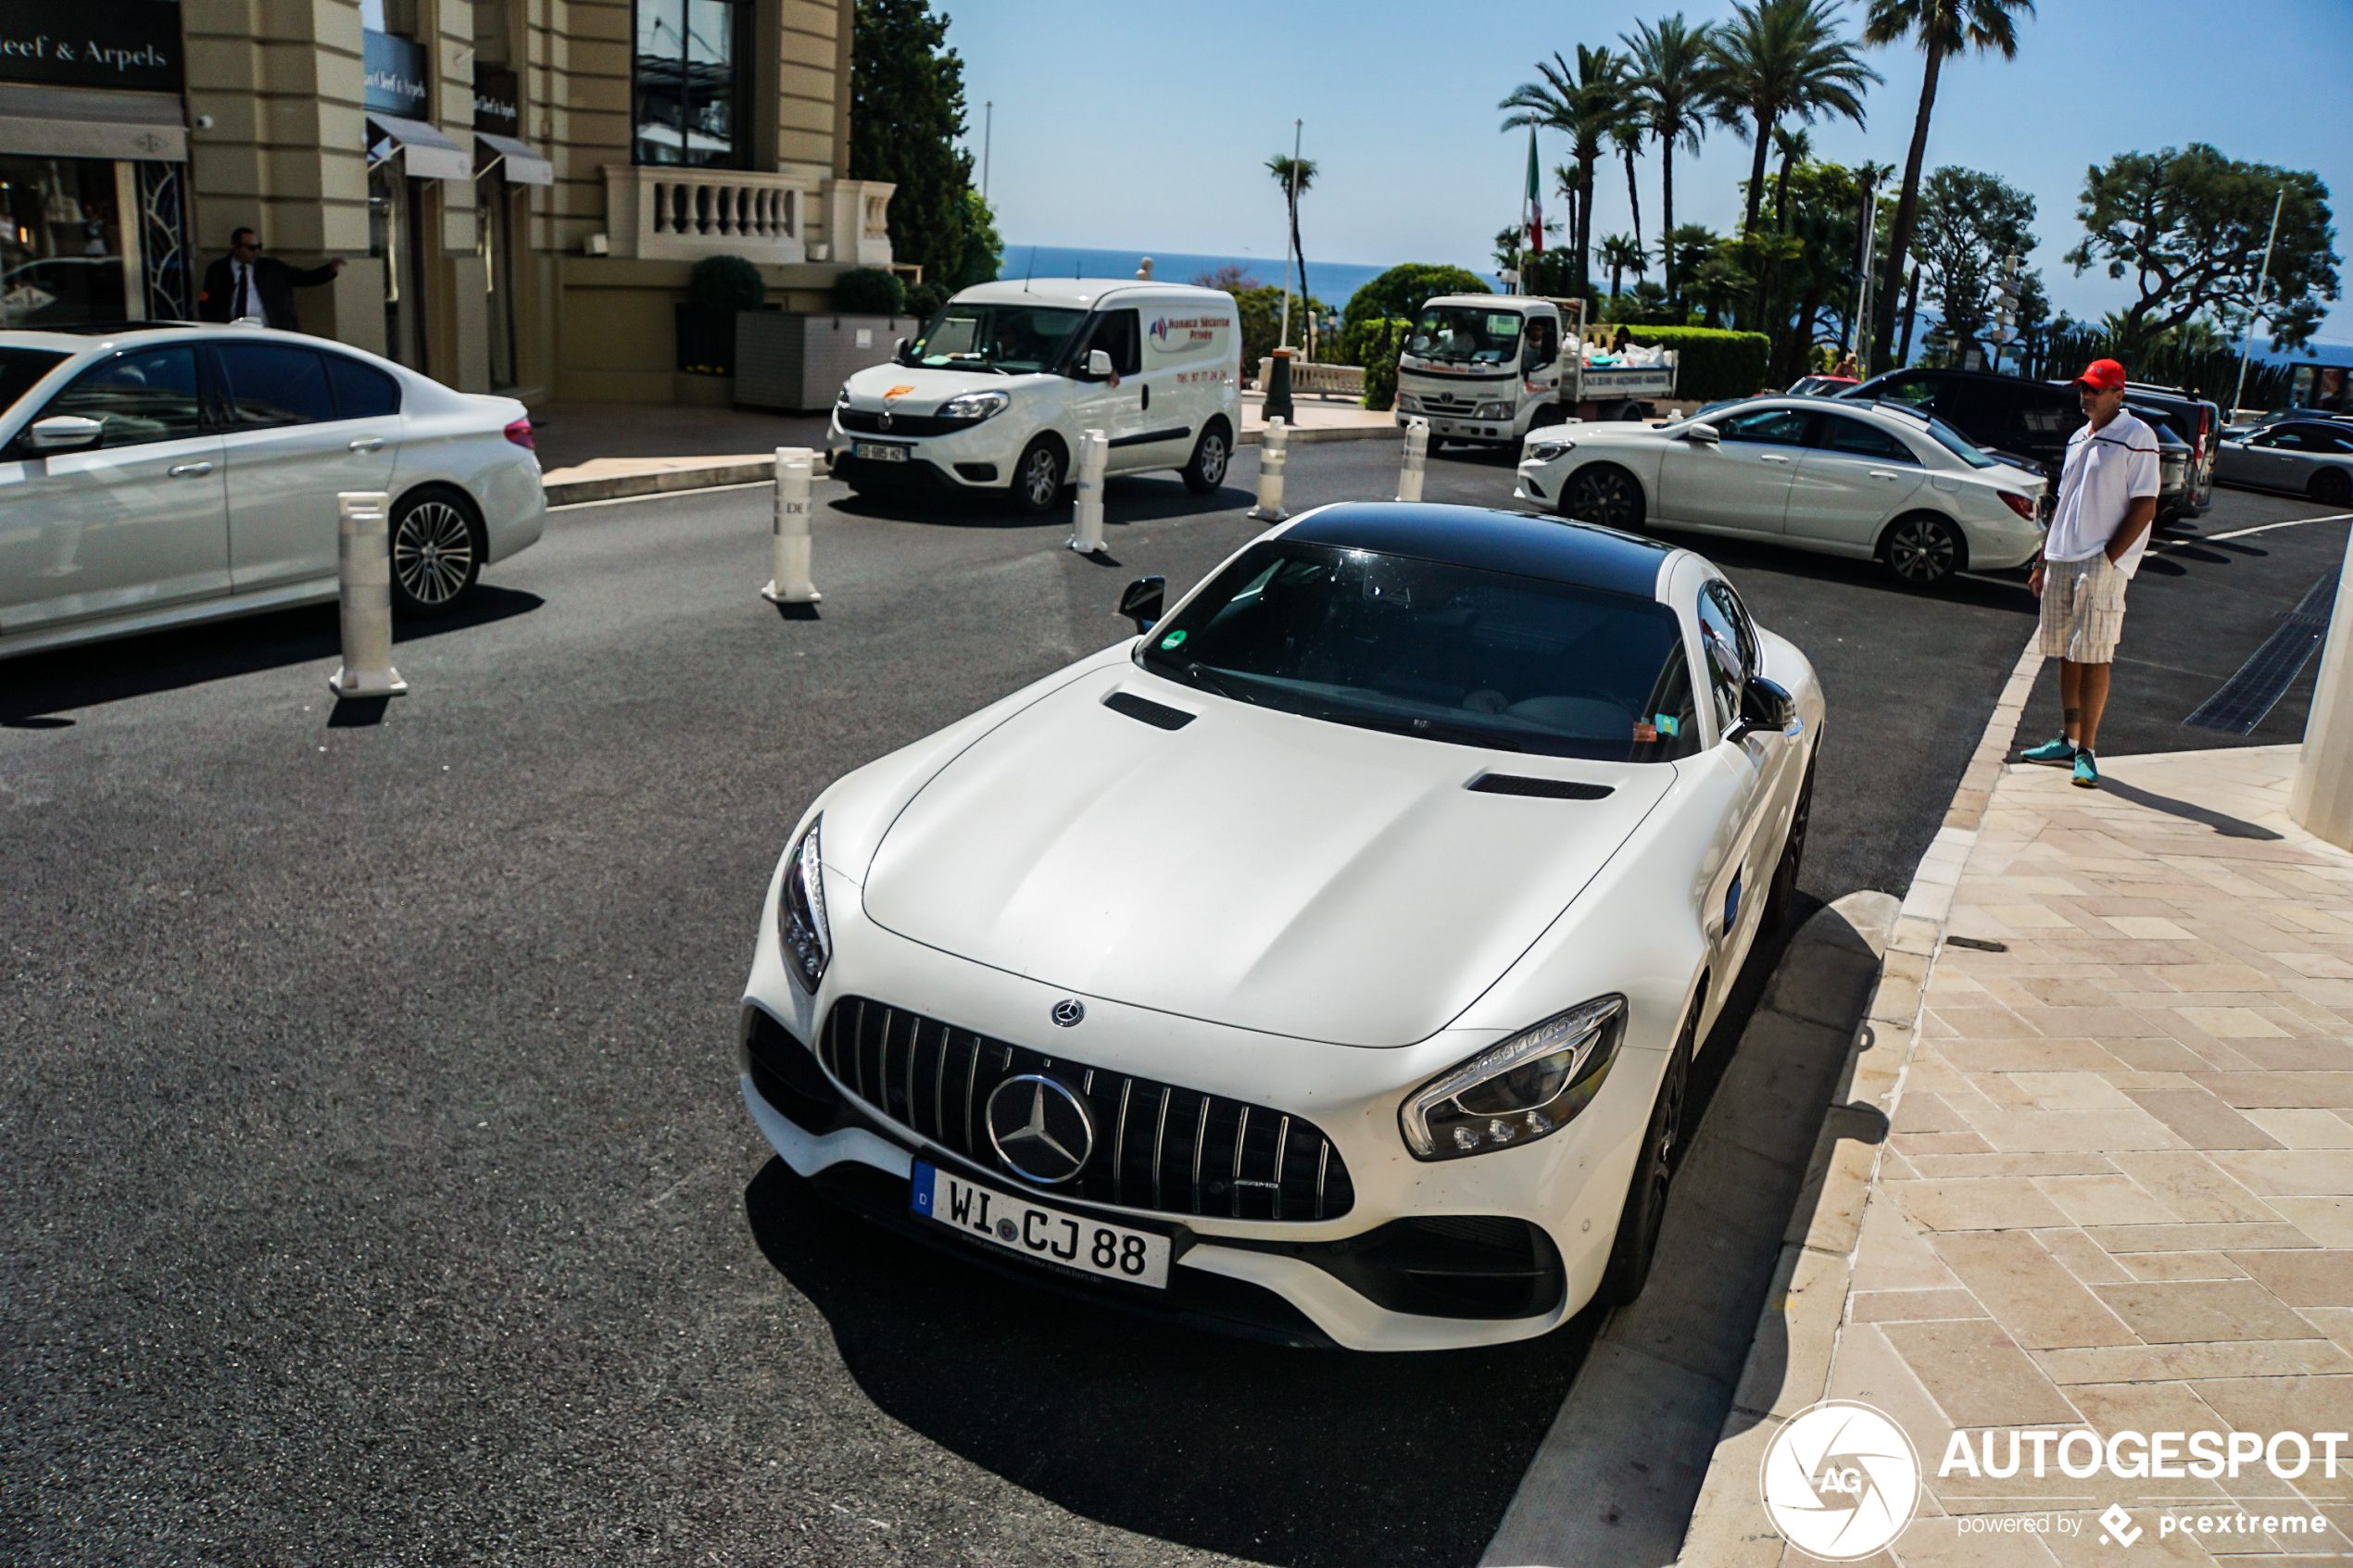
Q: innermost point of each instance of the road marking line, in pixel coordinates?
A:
(2266, 528)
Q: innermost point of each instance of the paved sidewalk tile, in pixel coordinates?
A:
(2116, 1192)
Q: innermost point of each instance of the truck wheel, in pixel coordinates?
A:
(1206, 469)
(1436, 444)
(1037, 478)
(1605, 493)
(1633, 413)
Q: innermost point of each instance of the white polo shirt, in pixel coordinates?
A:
(2106, 470)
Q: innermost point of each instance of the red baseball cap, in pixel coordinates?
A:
(2102, 375)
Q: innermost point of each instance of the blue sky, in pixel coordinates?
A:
(1134, 125)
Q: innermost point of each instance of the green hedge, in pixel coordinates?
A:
(1710, 364)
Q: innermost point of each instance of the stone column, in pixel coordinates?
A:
(2322, 801)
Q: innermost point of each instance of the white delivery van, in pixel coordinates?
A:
(994, 392)
(1486, 369)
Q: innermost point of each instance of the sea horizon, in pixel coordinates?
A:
(1330, 281)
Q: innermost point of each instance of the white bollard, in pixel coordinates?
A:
(1094, 456)
(788, 582)
(1271, 458)
(1409, 478)
(363, 552)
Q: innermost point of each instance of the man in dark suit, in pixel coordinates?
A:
(246, 283)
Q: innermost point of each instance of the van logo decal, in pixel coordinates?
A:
(897, 392)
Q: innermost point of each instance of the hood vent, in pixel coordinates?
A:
(1545, 789)
(1159, 715)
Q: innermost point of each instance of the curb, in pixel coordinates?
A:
(1310, 436)
(661, 482)
(1615, 1477)
(1789, 1359)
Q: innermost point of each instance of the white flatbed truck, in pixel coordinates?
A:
(1486, 369)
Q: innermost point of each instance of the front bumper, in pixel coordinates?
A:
(979, 456)
(1454, 428)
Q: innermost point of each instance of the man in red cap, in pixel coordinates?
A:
(2107, 500)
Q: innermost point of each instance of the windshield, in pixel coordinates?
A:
(1016, 339)
(1958, 445)
(1441, 653)
(1468, 334)
(20, 368)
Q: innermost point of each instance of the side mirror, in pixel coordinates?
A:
(1705, 433)
(898, 352)
(62, 432)
(1766, 705)
(1098, 365)
(1143, 600)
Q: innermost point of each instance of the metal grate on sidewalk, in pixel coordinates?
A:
(2244, 699)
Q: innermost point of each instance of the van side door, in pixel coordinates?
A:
(1114, 404)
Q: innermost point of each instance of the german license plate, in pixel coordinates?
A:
(876, 452)
(1018, 1224)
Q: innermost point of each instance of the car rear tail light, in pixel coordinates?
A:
(520, 434)
(2023, 505)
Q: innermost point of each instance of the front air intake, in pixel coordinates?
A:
(1545, 789)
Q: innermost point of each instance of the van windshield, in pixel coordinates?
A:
(1468, 334)
(1016, 339)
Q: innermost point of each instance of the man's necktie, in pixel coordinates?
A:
(245, 292)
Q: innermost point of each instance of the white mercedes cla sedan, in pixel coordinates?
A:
(155, 475)
(1324, 963)
(1876, 481)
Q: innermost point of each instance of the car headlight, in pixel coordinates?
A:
(801, 911)
(841, 398)
(1547, 446)
(974, 407)
(1408, 404)
(1493, 411)
(1527, 1087)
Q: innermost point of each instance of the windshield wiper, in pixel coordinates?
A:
(1200, 675)
(1424, 729)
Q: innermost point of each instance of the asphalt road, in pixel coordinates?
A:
(379, 1187)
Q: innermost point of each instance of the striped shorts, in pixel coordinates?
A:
(2082, 609)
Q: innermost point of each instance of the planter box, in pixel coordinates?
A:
(795, 363)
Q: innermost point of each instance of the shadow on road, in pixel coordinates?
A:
(1128, 498)
(44, 683)
(1291, 1457)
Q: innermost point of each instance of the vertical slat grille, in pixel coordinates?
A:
(1157, 1146)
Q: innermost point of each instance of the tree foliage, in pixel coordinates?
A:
(1671, 89)
(1968, 222)
(2187, 227)
(1777, 59)
(1401, 291)
(906, 110)
(1586, 103)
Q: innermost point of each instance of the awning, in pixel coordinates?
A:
(523, 166)
(91, 123)
(427, 154)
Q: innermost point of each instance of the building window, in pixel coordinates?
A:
(689, 83)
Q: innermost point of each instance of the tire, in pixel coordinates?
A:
(1923, 549)
(438, 546)
(1605, 493)
(1632, 413)
(1206, 469)
(1638, 1223)
(1037, 486)
(2331, 487)
(1784, 888)
(1436, 444)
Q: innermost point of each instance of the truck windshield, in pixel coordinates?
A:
(1016, 339)
(1468, 334)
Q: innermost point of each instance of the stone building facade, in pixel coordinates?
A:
(519, 187)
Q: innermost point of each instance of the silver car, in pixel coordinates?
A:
(152, 476)
(2310, 458)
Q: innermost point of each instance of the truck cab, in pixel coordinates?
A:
(1486, 369)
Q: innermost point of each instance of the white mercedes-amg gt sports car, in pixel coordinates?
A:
(1323, 963)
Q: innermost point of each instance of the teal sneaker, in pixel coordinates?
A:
(2054, 754)
(2087, 772)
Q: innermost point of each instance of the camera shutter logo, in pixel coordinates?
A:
(1840, 1480)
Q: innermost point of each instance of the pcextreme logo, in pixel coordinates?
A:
(1840, 1480)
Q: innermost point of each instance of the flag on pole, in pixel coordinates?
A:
(1535, 198)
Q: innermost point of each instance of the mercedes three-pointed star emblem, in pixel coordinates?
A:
(1040, 1129)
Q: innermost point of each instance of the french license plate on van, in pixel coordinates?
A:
(1018, 1224)
(876, 452)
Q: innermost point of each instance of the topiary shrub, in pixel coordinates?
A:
(1401, 291)
(926, 300)
(870, 291)
(721, 285)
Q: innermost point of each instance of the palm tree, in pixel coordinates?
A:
(1622, 254)
(1627, 136)
(1943, 28)
(1585, 104)
(1777, 58)
(1796, 147)
(1671, 92)
(1294, 175)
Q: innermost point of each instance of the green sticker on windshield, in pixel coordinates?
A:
(1667, 723)
(1171, 640)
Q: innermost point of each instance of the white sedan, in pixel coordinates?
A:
(1325, 963)
(153, 476)
(1871, 480)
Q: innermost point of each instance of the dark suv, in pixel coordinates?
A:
(2028, 421)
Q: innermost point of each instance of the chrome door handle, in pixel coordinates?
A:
(1884, 473)
(1770, 457)
(190, 470)
(369, 443)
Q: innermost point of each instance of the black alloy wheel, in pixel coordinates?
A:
(437, 547)
(1605, 493)
(1638, 1223)
(2331, 487)
(1037, 478)
(1207, 470)
(1922, 550)
(1785, 889)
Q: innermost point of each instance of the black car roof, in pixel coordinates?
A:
(1489, 539)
